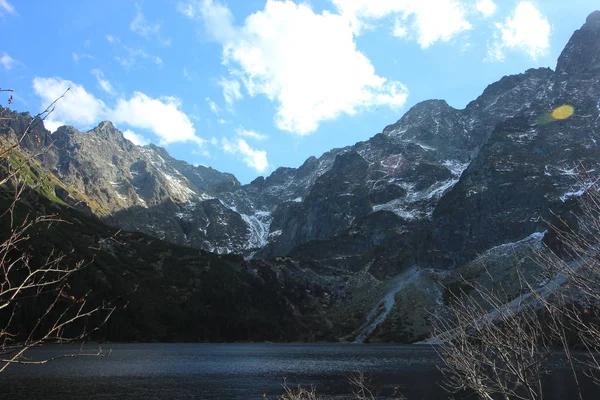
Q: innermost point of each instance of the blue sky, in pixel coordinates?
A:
(247, 86)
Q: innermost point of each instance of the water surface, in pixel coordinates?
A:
(232, 371)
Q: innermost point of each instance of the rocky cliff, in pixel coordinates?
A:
(429, 193)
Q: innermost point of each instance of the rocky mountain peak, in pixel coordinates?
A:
(107, 131)
(160, 151)
(105, 126)
(65, 130)
(434, 191)
(510, 82)
(593, 19)
(417, 115)
(582, 53)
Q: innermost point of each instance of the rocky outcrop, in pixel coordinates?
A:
(433, 190)
(580, 56)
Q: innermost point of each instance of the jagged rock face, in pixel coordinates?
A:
(205, 224)
(14, 124)
(581, 55)
(119, 175)
(524, 171)
(433, 124)
(407, 170)
(336, 199)
(144, 189)
(434, 189)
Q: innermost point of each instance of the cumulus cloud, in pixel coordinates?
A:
(135, 138)
(52, 125)
(7, 61)
(78, 106)
(163, 117)
(526, 30)
(428, 21)
(486, 7)
(103, 83)
(143, 27)
(217, 18)
(256, 159)
(313, 75)
(251, 134)
(399, 29)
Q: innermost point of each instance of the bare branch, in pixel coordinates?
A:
(41, 282)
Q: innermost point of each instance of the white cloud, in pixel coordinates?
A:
(526, 30)
(213, 106)
(163, 117)
(399, 29)
(76, 107)
(142, 27)
(7, 61)
(203, 152)
(187, 9)
(6, 6)
(113, 39)
(81, 56)
(251, 134)
(186, 74)
(486, 7)
(135, 56)
(140, 24)
(102, 82)
(231, 90)
(217, 18)
(256, 159)
(135, 138)
(313, 74)
(428, 21)
(53, 125)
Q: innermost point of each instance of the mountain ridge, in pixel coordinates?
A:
(432, 191)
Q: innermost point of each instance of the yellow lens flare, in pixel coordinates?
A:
(563, 112)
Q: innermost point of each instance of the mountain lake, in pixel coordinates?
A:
(239, 371)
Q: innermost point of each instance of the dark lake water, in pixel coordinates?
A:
(234, 371)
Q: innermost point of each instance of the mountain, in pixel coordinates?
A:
(164, 292)
(378, 224)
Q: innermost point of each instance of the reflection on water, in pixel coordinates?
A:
(233, 371)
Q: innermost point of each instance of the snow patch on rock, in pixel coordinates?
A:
(455, 167)
(258, 228)
(397, 206)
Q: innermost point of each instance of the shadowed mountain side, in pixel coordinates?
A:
(181, 294)
(527, 169)
(375, 225)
